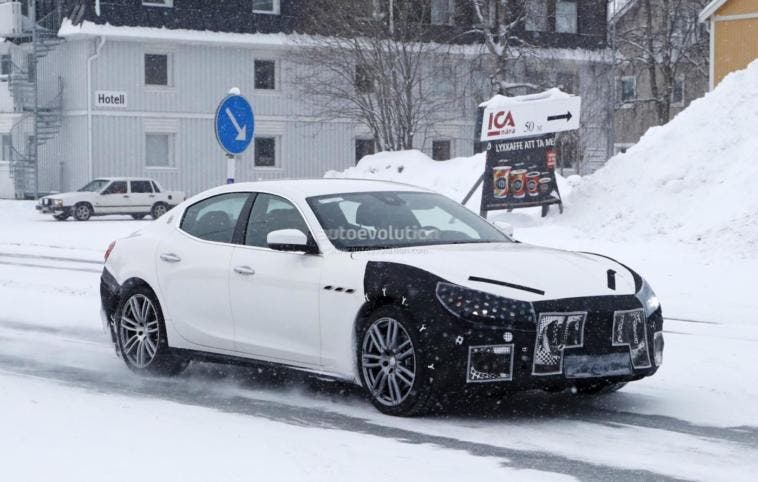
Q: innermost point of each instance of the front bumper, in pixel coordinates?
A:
(595, 339)
(50, 209)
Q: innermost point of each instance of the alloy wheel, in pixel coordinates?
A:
(388, 361)
(159, 211)
(82, 212)
(139, 331)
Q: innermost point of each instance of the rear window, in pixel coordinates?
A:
(141, 187)
(215, 218)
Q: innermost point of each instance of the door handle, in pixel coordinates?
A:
(170, 258)
(244, 270)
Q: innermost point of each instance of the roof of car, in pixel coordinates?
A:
(321, 187)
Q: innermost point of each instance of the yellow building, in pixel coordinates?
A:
(734, 35)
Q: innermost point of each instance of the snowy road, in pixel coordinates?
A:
(69, 406)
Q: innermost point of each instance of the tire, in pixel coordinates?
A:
(82, 212)
(62, 217)
(393, 374)
(159, 209)
(139, 217)
(141, 335)
(598, 388)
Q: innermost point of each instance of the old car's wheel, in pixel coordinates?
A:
(141, 335)
(62, 216)
(82, 212)
(391, 365)
(159, 209)
(598, 387)
(139, 217)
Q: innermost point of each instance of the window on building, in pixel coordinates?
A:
(5, 65)
(565, 16)
(158, 3)
(628, 88)
(265, 151)
(158, 69)
(441, 150)
(159, 150)
(677, 92)
(141, 187)
(6, 143)
(266, 6)
(567, 82)
(364, 82)
(214, 219)
(442, 11)
(265, 74)
(536, 16)
(363, 148)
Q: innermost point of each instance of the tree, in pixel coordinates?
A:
(666, 41)
(376, 63)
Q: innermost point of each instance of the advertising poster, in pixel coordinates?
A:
(520, 173)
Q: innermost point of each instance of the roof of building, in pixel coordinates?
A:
(711, 8)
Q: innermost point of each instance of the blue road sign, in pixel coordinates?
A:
(235, 124)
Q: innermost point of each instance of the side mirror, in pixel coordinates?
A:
(505, 228)
(289, 240)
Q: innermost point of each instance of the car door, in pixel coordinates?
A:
(113, 199)
(141, 196)
(193, 265)
(275, 294)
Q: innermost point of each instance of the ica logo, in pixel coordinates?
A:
(498, 122)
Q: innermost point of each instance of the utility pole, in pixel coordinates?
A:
(33, 67)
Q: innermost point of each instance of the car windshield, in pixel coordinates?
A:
(95, 186)
(381, 220)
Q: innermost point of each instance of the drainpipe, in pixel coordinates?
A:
(90, 60)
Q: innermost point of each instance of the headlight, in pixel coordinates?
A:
(480, 307)
(647, 297)
(57, 203)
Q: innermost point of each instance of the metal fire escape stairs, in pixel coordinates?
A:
(42, 118)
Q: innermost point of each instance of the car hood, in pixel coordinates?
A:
(67, 196)
(528, 269)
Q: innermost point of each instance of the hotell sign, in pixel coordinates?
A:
(110, 98)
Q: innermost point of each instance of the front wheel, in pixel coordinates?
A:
(138, 217)
(392, 366)
(62, 216)
(141, 335)
(82, 212)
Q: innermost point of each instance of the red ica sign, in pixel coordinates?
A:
(500, 123)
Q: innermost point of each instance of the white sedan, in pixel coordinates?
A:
(394, 288)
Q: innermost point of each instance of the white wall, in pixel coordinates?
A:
(7, 190)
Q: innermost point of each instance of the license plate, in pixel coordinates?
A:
(595, 366)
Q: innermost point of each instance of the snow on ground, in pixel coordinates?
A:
(67, 402)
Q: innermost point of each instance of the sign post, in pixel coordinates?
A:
(519, 135)
(235, 126)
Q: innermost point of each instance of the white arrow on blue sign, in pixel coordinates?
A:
(235, 124)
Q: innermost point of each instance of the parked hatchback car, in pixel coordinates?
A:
(400, 290)
(137, 197)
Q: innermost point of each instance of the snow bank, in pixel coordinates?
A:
(692, 180)
(453, 178)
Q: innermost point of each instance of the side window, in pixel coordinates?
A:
(141, 187)
(214, 219)
(271, 213)
(117, 187)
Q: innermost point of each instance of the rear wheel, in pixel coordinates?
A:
(141, 335)
(391, 365)
(159, 209)
(82, 212)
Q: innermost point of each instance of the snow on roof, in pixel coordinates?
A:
(502, 100)
(711, 8)
(88, 29)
